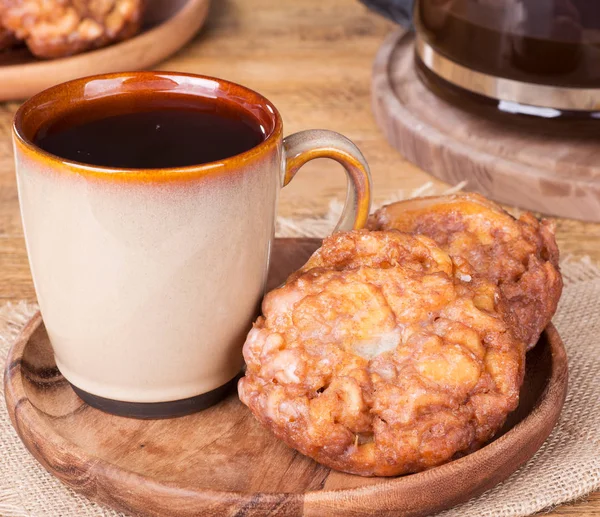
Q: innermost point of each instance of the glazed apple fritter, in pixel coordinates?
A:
(375, 359)
(518, 255)
(58, 28)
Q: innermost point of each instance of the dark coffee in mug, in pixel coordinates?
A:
(160, 132)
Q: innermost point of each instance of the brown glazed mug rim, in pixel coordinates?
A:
(58, 100)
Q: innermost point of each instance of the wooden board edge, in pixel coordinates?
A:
(454, 162)
(18, 82)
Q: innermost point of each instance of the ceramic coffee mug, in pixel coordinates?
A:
(148, 279)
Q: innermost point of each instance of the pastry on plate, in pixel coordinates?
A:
(59, 28)
(518, 255)
(375, 359)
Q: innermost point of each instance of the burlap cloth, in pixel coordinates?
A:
(567, 467)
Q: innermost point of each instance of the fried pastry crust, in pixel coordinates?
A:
(518, 255)
(374, 359)
(59, 28)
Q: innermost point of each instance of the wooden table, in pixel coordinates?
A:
(313, 59)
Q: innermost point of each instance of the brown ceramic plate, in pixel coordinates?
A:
(222, 462)
(168, 26)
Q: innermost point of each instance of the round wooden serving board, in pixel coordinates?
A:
(168, 26)
(543, 165)
(222, 462)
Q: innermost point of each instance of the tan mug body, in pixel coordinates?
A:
(148, 279)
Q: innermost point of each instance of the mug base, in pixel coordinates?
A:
(158, 410)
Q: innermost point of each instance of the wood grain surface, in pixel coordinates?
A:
(538, 164)
(313, 59)
(172, 22)
(222, 462)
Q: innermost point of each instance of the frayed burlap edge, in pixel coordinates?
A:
(566, 468)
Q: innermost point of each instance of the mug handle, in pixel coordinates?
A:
(304, 146)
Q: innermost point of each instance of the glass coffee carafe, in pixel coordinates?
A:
(539, 57)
